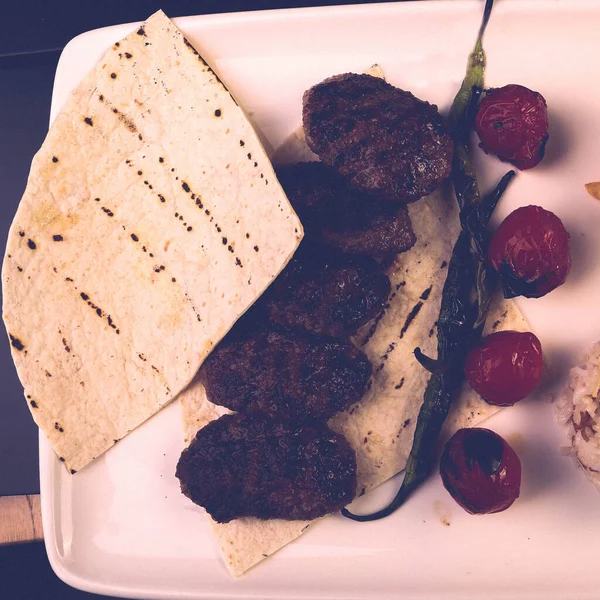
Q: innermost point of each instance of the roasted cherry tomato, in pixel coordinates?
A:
(530, 251)
(512, 122)
(481, 471)
(506, 367)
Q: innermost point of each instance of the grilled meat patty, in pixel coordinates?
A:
(338, 215)
(328, 293)
(252, 466)
(381, 138)
(285, 374)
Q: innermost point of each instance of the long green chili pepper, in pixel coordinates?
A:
(457, 318)
(489, 203)
(460, 120)
(475, 219)
(474, 76)
(482, 213)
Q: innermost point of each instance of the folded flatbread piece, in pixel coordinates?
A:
(381, 426)
(151, 221)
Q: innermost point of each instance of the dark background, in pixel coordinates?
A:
(32, 35)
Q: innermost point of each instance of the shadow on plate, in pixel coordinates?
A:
(558, 144)
(583, 255)
(543, 464)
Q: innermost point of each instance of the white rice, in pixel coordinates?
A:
(579, 409)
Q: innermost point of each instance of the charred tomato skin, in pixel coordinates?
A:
(530, 252)
(512, 123)
(480, 471)
(505, 367)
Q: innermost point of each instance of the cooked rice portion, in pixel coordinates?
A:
(580, 410)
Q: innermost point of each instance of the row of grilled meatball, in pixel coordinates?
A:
(288, 365)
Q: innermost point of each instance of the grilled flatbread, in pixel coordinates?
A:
(151, 221)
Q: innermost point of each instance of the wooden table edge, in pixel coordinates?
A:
(20, 519)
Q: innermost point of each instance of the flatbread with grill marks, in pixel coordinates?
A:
(152, 219)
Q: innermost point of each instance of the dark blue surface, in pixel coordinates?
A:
(34, 25)
(25, 574)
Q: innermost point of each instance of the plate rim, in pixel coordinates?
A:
(48, 463)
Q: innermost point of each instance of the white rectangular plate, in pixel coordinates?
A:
(121, 526)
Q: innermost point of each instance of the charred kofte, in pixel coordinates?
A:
(381, 138)
(252, 466)
(277, 458)
(285, 374)
(343, 217)
(326, 292)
